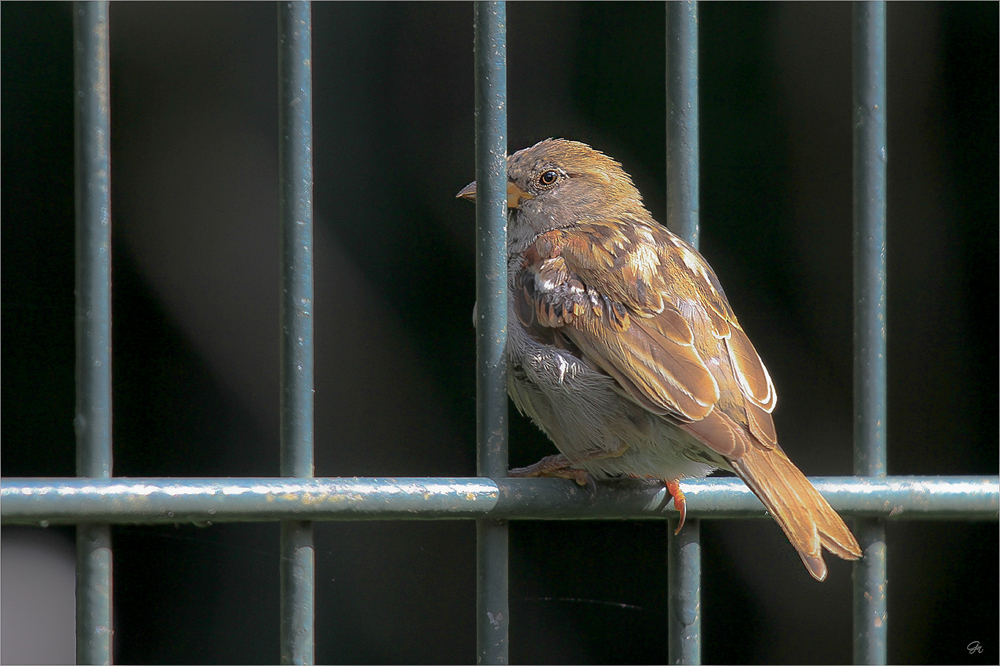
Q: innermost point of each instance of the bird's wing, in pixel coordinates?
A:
(645, 308)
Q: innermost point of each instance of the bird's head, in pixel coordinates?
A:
(557, 183)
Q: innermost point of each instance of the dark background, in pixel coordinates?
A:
(194, 186)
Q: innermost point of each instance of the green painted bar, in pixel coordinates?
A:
(684, 592)
(683, 159)
(94, 626)
(490, 39)
(203, 501)
(870, 344)
(298, 557)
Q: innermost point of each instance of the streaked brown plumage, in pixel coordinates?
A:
(623, 348)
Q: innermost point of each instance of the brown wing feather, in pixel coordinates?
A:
(655, 362)
(634, 329)
(719, 433)
(754, 380)
(654, 369)
(761, 425)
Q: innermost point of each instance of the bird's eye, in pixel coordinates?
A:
(548, 178)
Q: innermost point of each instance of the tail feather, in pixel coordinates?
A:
(806, 518)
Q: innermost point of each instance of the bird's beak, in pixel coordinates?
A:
(515, 195)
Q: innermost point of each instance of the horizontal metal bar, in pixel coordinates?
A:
(209, 500)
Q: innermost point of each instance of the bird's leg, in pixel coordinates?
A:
(680, 502)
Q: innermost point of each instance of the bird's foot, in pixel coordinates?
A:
(557, 466)
(680, 502)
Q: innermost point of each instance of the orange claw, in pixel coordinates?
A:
(680, 502)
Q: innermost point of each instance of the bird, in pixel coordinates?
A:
(623, 348)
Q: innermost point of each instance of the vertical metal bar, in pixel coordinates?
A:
(682, 120)
(683, 550)
(492, 617)
(94, 629)
(684, 579)
(298, 559)
(870, 621)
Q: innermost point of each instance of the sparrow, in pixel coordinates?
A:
(623, 348)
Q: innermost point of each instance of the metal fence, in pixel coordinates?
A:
(96, 499)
